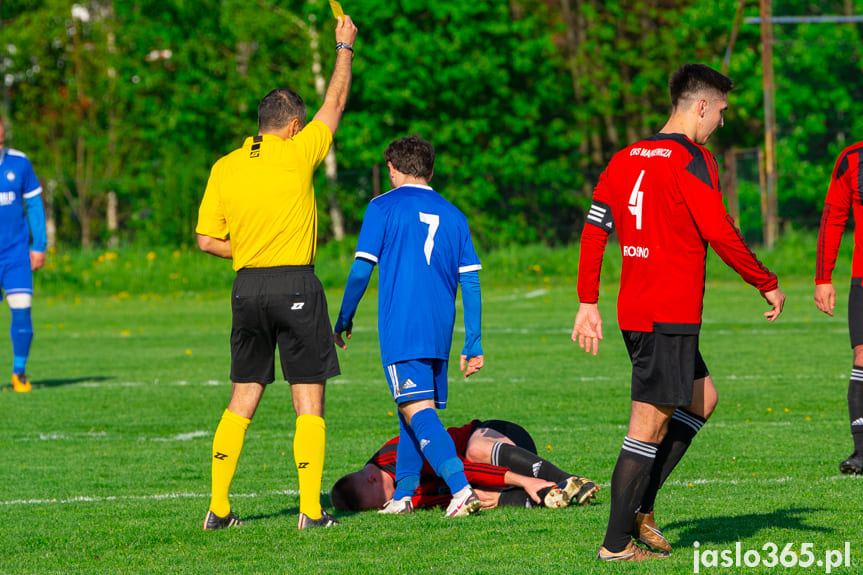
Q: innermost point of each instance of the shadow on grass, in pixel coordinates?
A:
(70, 381)
(290, 511)
(295, 511)
(732, 528)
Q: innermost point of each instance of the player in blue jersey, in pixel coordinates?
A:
(422, 246)
(20, 204)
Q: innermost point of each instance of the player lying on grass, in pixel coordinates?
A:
(500, 462)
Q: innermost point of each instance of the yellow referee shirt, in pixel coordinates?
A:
(261, 195)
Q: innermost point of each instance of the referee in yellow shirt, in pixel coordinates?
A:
(259, 210)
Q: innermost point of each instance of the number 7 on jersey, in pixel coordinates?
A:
(433, 221)
(636, 201)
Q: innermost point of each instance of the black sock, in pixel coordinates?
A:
(855, 407)
(681, 429)
(524, 462)
(628, 482)
(515, 497)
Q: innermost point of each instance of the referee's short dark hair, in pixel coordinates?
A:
(279, 108)
(412, 156)
(691, 79)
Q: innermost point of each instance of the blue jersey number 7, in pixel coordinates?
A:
(433, 221)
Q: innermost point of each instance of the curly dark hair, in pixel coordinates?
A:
(412, 156)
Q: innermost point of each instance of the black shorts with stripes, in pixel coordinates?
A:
(664, 366)
(514, 431)
(855, 312)
(286, 307)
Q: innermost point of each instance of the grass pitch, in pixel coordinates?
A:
(106, 463)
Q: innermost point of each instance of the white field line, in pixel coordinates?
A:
(184, 436)
(707, 332)
(209, 434)
(155, 497)
(622, 379)
(291, 492)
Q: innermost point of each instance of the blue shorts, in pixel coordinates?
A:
(418, 379)
(16, 277)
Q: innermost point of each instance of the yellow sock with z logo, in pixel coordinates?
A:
(227, 446)
(309, 446)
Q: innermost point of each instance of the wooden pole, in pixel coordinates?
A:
(726, 62)
(770, 216)
(731, 195)
(112, 220)
(376, 180)
(762, 186)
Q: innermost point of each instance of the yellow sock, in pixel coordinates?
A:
(227, 445)
(309, 445)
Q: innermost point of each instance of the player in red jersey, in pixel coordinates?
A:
(846, 185)
(500, 462)
(661, 195)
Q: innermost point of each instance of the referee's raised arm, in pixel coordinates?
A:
(336, 97)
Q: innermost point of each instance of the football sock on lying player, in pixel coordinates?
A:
(523, 462)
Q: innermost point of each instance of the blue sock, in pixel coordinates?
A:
(439, 449)
(409, 462)
(21, 331)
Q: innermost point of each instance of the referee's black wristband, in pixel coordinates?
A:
(340, 45)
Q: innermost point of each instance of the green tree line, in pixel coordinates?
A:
(123, 105)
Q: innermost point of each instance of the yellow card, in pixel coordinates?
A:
(337, 9)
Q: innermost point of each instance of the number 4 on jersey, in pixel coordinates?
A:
(433, 221)
(636, 201)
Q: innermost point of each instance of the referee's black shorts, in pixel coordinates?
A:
(855, 312)
(283, 306)
(664, 366)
